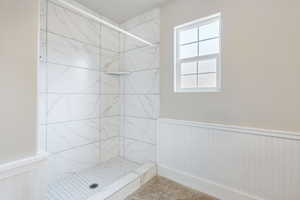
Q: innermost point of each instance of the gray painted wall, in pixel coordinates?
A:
(19, 23)
(260, 64)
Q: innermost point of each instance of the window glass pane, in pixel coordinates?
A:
(209, 47)
(187, 51)
(188, 36)
(189, 68)
(189, 81)
(209, 65)
(209, 30)
(207, 80)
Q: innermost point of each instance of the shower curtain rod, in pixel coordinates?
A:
(104, 22)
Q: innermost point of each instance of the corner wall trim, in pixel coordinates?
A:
(22, 165)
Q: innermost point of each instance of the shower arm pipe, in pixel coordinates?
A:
(104, 22)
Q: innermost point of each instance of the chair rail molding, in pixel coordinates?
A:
(236, 129)
(22, 165)
(25, 178)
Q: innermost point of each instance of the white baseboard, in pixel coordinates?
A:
(206, 186)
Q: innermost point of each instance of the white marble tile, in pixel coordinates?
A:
(42, 52)
(140, 129)
(146, 106)
(110, 61)
(42, 108)
(64, 136)
(72, 107)
(142, 82)
(122, 145)
(110, 149)
(139, 152)
(42, 46)
(74, 160)
(149, 31)
(142, 19)
(110, 84)
(147, 26)
(65, 79)
(42, 77)
(110, 127)
(141, 59)
(129, 43)
(42, 134)
(70, 52)
(144, 63)
(70, 24)
(110, 39)
(110, 105)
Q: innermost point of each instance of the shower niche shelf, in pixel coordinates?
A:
(117, 73)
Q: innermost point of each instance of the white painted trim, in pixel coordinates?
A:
(177, 61)
(20, 166)
(211, 188)
(175, 48)
(191, 90)
(236, 129)
(198, 21)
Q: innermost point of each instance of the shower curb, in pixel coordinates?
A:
(128, 184)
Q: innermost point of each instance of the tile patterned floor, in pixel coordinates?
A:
(160, 188)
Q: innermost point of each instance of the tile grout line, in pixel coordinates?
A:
(138, 140)
(82, 42)
(83, 145)
(105, 94)
(47, 76)
(100, 90)
(87, 68)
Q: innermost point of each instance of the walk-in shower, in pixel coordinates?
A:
(99, 100)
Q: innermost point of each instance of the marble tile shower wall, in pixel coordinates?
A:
(79, 104)
(140, 89)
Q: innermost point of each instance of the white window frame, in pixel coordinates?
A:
(178, 61)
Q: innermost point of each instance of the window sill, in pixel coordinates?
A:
(198, 90)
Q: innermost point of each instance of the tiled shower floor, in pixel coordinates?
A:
(77, 186)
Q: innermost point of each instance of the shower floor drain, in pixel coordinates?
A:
(94, 186)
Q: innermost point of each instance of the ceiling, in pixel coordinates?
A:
(121, 10)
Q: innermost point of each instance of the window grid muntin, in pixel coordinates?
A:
(198, 58)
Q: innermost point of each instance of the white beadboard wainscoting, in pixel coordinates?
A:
(229, 162)
(24, 179)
